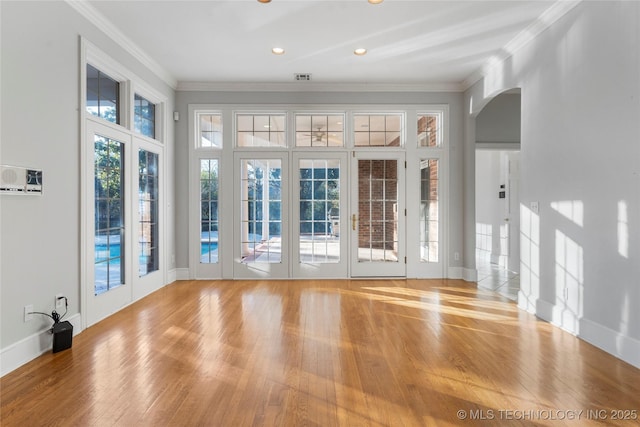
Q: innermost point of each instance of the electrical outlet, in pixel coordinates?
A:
(28, 309)
(456, 256)
(60, 301)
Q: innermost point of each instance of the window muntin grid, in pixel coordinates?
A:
(377, 211)
(430, 129)
(144, 116)
(261, 217)
(103, 95)
(148, 226)
(319, 211)
(209, 130)
(429, 208)
(319, 130)
(209, 215)
(109, 240)
(260, 130)
(378, 130)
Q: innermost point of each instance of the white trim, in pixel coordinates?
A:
(613, 342)
(469, 274)
(27, 349)
(556, 11)
(454, 273)
(316, 87)
(180, 274)
(85, 9)
(496, 145)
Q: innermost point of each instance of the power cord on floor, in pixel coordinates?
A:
(55, 316)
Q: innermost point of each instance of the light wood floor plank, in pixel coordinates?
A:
(322, 353)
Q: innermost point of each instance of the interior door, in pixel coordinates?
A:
(378, 215)
(319, 245)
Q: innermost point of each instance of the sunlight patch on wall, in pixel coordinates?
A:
(623, 229)
(569, 282)
(573, 210)
(484, 242)
(529, 259)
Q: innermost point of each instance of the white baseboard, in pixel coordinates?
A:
(16, 355)
(454, 273)
(613, 342)
(182, 273)
(171, 276)
(470, 275)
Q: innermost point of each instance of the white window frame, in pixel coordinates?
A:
(129, 84)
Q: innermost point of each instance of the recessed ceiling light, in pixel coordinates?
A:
(371, 1)
(360, 51)
(277, 51)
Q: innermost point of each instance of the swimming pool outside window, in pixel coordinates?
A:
(109, 265)
(209, 211)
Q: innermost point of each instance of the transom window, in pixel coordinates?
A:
(209, 130)
(429, 129)
(377, 130)
(260, 130)
(144, 116)
(103, 95)
(325, 130)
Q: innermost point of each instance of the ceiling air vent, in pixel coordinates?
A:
(303, 77)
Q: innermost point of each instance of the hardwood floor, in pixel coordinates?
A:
(322, 353)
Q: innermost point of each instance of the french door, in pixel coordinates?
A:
(378, 215)
(123, 234)
(319, 245)
(261, 215)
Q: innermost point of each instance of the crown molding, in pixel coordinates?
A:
(99, 20)
(316, 87)
(556, 11)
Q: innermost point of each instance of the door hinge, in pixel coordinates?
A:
(405, 260)
(353, 154)
(405, 164)
(405, 212)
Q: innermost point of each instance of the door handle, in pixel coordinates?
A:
(353, 222)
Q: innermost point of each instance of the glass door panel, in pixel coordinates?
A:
(425, 215)
(261, 240)
(319, 247)
(109, 243)
(148, 249)
(378, 215)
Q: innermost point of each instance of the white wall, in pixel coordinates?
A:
(489, 208)
(580, 258)
(40, 235)
(499, 121)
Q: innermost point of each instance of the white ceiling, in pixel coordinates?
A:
(413, 42)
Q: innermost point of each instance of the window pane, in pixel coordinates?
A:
(429, 225)
(260, 130)
(103, 94)
(377, 211)
(148, 237)
(109, 214)
(321, 130)
(144, 116)
(378, 130)
(209, 211)
(209, 131)
(429, 133)
(260, 219)
(319, 214)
